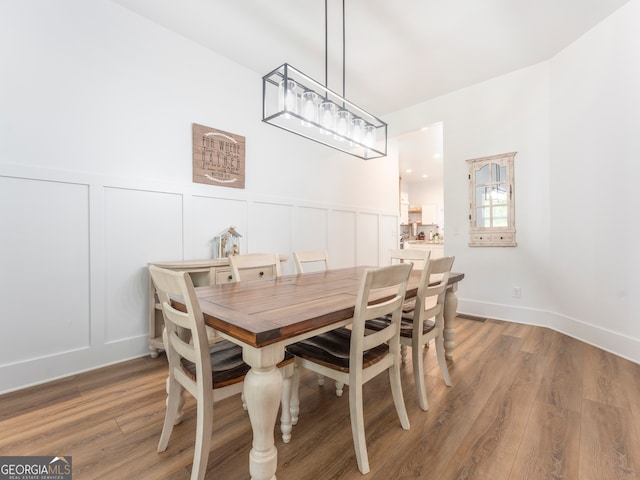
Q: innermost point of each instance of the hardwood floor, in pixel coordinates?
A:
(526, 403)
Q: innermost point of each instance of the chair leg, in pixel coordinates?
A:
(320, 379)
(204, 428)
(181, 401)
(442, 361)
(398, 397)
(418, 375)
(174, 402)
(285, 403)
(339, 388)
(295, 395)
(357, 427)
(403, 353)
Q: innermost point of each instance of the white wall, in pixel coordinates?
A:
(96, 108)
(595, 147)
(507, 114)
(573, 121)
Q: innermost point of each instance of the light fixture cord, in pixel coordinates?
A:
(343, 55)
(326, 47)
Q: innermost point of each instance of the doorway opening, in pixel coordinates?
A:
(420, 157)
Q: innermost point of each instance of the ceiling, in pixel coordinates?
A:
(420, 155)
(397, 52)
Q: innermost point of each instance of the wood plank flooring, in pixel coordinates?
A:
(526, 403)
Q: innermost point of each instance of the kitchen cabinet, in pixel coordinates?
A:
(404, 208)
(428, 214)
(404, 213)
(414, 215)
(422, 215)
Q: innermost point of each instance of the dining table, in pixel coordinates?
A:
(264, 316)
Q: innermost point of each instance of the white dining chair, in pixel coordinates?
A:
(424, 323)
(417, 257)
(352, 357)
(254, 266)
(311, 260)
(209, 372)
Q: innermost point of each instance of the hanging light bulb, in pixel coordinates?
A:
(357, 130)
(369, 135)
(327, 116)
(343, 124)
(309, 108)
(288, 101)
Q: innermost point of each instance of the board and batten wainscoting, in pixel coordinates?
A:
(90, 239)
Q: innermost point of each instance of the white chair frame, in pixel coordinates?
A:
(185, 337)
(356, 376)
(302, 257)
(247, 261)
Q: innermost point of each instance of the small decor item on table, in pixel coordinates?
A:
(227, 243)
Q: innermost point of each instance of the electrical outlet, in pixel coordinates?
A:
(515, 292)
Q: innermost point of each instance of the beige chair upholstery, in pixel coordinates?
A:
(311, 260)
(353, 358)
(424, 323)
(208, 372)
(254, 266)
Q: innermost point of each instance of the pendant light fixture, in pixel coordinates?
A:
(295, 102)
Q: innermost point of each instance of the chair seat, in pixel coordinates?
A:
(227, 366)
(406, 325)
(331, 349)
(409, 306)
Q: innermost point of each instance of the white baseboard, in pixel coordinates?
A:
(614, 342)
(19, 375)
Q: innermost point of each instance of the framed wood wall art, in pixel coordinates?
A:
(218, 157)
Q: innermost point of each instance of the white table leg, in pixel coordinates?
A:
(295, 399)
(262, 393)
(450, 309)
(286, 425)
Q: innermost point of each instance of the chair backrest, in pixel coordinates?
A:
(417, 256)
(253, 266)
(184, 335)
(315, 259)
(437, 269)
(392, 280)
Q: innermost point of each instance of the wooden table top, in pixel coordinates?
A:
(266, 311)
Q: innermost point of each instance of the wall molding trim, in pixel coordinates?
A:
(613, 342)
(120, 224)
(28, 373)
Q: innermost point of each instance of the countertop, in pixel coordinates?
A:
(425, 242)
